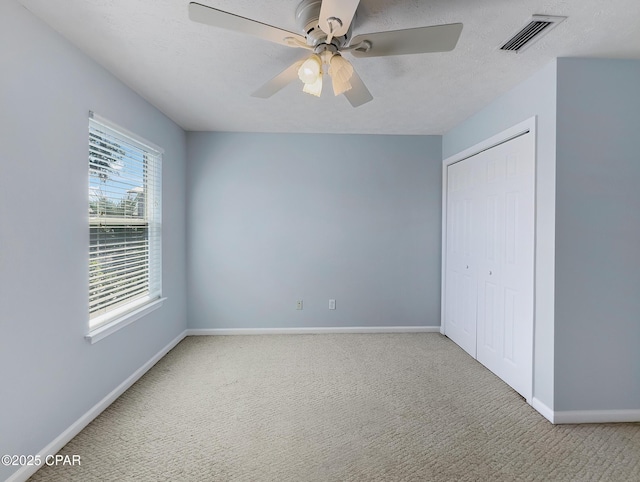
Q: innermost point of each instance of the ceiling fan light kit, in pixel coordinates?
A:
(326, 27)
(312, 69)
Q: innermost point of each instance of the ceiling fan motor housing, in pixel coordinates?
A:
(307, 18)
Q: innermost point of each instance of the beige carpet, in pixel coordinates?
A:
(336, 408)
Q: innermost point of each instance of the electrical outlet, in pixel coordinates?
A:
(332, 304)
(299, 305)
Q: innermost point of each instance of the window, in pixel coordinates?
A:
(124, 223)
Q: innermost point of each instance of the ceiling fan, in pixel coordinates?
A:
(326, 26)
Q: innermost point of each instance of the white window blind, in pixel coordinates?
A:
(124, 222)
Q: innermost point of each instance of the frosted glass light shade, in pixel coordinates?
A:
(310, 70)
(341, 71)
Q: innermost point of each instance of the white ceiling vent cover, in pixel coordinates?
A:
(538, 26)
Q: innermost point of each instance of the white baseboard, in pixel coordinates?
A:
(24, 472)
(543, 409)
(597, 416)
(585, 416)
(312, 331)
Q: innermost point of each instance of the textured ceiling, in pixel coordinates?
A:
(202, 77)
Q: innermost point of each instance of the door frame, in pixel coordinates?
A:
(517, 130)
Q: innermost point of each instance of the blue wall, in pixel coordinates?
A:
(597, 351)
(274, 218)
(51, 375)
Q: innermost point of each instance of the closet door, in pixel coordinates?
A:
(505, 267)
(462, 254)
(489, 259)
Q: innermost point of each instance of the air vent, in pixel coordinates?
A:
(539, 26)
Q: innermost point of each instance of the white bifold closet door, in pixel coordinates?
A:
(490, 259)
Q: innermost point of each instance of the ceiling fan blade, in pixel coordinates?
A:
(342, 11)
(422, 40)
(280, 81)
(218, 18)
(358, 94)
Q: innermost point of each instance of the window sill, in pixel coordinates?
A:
(102, 332)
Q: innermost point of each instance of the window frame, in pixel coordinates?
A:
(122, 312)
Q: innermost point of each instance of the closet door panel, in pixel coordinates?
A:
(490, 297)
(507, 265)
(460, 270)
(518, 267)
